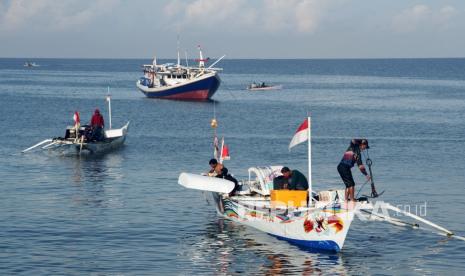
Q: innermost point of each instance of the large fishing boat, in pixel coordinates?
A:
(180, 82)
(314, 220)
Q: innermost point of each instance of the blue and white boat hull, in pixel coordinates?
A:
(316, 228)
(201, 88)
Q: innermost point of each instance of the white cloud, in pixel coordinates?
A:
(173, 8)
(445, 15)
(52, 15)
(269, 16)
(309, 13)
(423, 17)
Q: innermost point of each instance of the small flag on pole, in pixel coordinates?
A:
(301, 135)
(76, 118)
(224, 151)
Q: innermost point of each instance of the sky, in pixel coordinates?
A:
(237, 28)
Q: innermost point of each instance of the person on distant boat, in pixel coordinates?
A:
(351, 156)
(97, 124)
(218, 170)
(296, 180)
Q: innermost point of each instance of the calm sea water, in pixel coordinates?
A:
(124, 213)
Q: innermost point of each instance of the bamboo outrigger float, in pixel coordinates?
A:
(318, 221)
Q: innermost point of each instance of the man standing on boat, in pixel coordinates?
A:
(296, 180)
(351, 156)
(97, 124)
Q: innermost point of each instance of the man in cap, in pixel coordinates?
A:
(295, 179)
(351, 156)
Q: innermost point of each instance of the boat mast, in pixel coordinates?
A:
(179, 60)
(109, 105)
(154, 66)
(201, 60)
(309, 162)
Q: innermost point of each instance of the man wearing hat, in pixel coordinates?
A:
(351, 156)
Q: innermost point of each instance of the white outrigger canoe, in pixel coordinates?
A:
(321, 223)
(77, 142)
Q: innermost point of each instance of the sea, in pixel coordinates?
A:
(123, 213)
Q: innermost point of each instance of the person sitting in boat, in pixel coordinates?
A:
(351, 156)
(97, 124)
(296, 180)
(218, 170)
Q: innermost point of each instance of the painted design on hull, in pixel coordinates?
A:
(316, 229)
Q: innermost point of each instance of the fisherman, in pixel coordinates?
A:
(218, 170)
(351, 156)
(296, 180)
(97, 124)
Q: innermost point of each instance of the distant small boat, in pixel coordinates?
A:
(262, 86)
(179, 82)
(31, 64)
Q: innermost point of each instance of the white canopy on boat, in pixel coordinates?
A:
(264, 176)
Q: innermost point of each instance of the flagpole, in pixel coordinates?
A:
(109, 104)
(221, 150)
(309, 163)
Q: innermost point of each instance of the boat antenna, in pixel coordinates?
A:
(179, 60)
(108, 98)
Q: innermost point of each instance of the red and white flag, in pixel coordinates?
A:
(224, 151)
(301, 135)
(76, 118)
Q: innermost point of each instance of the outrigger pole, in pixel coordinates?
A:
(36, 145)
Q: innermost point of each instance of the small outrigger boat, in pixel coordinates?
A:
(31, 64)
(179, 82)
(262, 86)
(80, 139)
(317, 221)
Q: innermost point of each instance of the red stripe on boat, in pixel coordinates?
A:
(193, 95)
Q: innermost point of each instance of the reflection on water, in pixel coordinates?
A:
(92, 175)
(223, 244)
(96, 168)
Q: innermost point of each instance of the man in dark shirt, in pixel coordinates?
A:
(351, 156)
(296, 180)
(218, 170)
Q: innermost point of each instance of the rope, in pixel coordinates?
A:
(361, 188)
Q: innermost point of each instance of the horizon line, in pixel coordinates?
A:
(244, 58)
